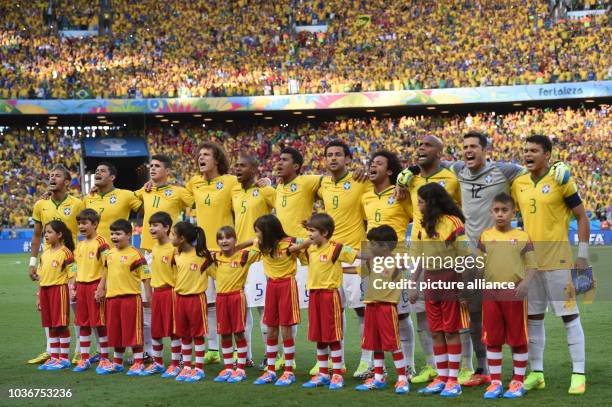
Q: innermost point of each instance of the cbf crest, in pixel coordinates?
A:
(67, 211)
(112, 199)
(293, 187)
(489, 179)
(391, 200)
(346, 186)
(546, 189)
(219, 185)
(168, 193)
(256, 192)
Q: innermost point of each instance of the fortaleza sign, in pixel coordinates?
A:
(319, 101)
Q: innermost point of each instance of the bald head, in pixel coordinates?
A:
(429, 152)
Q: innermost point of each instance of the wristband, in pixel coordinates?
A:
(583, 250)
(33, 261)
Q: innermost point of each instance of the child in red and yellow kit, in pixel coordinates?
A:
(55, 274)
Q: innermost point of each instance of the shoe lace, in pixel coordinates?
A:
(286, 376)
(401, 383)
(237, 372)
(435, 383)
(515, 385)
(185, 372)
(449, 385)
(492, 386)
(136, 366)
(369, 382)
(336, 379)
(170, 369)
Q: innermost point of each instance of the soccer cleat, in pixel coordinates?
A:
(211, 356)
(465, 374)
(171, 372)
(184, 374)
(578, 385)
(82, 366)
(42, 358)
(223, 376)
(136, 369)
(287, 379)
(110, 368)
(337, 382)
(315, 370)
(371, 384)
(95, 358)
(196, 375)
(76, 358)
(427, 374)
(238, 376)
(515, 390)
(48, 363)
(434, 387)
(534, 381)
(477, 380)
(402, 387)
(452, 389)
(495, 390)
(317, 380)
(103, 365)
(60, 364)
(362, 370)
(266, 378)
(154, 368)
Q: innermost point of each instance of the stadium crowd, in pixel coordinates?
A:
(582, 140)
(251, 47)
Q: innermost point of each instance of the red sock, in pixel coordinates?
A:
(118, 356)
(519, 362)
(54, 343)
(289, 354)
(336, 354)
(322, 358)
(186, 351)
(441, 358)
(85, 341)
(64, 336)
(228, 353)
(398, 361)
(138, 354)
(454, 360)
(494, 360)
(198, 343)
(175, 349)
(241, 345)
(158, 349)
(103, 338)
(379, 362)
(271, 353)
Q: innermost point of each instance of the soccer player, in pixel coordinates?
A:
(212, 196)
(341, 194)
(163, 274)
(429, 154)
(61, 206)
(441, 236)
(111, 203)
(381, 318)
(249, 202)
(55, 275)
(125, 269)
(193, 264)
(282, 308)
(230, 276)
(90, 255)
(381, 207)
(546, 208)
(325, 274)
(509, 258)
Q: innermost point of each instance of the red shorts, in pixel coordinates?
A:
(231, 312)
(504, 322)
(381, 327)
(282, 307)
(124, 320)
(87, 311)
(190, 320)
(54, 306)
(324, 316)
(444, 311)
(161, 312)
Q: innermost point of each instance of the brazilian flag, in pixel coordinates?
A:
(363, 20)
(84, 94)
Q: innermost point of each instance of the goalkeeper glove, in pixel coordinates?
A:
(562, 172)
(404, 177)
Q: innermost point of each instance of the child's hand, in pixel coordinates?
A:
(522, 289)
(413, 296)
(148, 186)
(72, 291)
(100, 294)
(37, 301)
(146, 304)
(33, 273)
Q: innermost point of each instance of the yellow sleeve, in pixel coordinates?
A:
(253, 256)
(36, 215)
(528, 254)
(70, 266)
(313, 183)
(406, 205)
(186, 197)
(456, 192)
(347, 254)
(269, 195)
(135, 202)
(189, 186)
(139, 193)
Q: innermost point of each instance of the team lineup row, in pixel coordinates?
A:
(545, 196)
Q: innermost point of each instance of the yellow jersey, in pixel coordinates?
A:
(325, 265)
(377, 289)
(192, 273)
(162, 265)
(440, 252)
(507, 254)
(56, 267)
(444, 177)
(546, 209)
(294, 203)
(231, 272)
(115, 204)
(213, 203)
(283, 264)
(46, 210)
(248, 205)
(383, 209)
(90, 255)
(171, 199)
(125, 269)
(342, 200)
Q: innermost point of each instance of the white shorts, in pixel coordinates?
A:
(211, 291)
(302, 278)
(352, 291)
(255, 287)
(552, 289)
(404, 306)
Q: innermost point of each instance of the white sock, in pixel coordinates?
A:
(148, 343)
(212, 338)
(247, 333)
(425, 338)
(366, 355)
(575, 343)
(294, 331)
(406, 334)
(48, 341)
(537, 342)
(466, 349)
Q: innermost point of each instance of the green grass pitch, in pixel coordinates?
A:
(21, 337)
